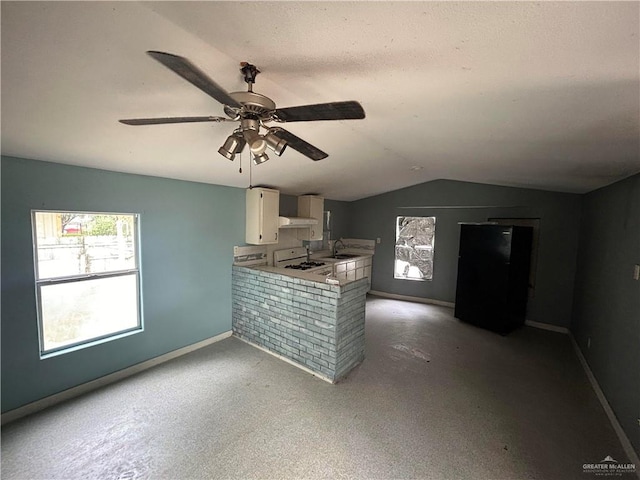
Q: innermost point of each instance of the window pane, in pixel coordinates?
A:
(414, 248)
(79, 311)
(72, 243)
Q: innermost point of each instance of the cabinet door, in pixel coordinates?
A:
(317, 212)
(262, 216)
(311, 206)
(270, 210)
(315, 232)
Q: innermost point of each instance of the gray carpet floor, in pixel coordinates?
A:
(434, 399)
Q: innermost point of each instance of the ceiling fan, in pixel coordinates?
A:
(253, 111)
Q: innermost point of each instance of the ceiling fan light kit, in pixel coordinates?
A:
(252, 110)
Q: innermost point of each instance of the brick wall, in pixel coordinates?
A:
(317, 325)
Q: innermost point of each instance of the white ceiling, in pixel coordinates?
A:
(542, 95)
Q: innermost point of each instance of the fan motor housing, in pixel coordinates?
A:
(252, 103)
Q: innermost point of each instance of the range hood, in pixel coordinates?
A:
(296, 222)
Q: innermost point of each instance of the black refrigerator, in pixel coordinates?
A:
(493, 276)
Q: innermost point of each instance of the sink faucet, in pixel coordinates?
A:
(335, 246)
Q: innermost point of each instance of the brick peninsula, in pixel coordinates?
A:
(312, 324)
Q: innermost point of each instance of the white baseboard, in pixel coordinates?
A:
(408, 298)
(622, 436)
(106, 380)
(547, 326)
(295, 364)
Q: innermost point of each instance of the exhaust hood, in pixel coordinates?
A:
(296, 222)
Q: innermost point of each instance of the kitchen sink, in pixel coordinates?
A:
(342, 256)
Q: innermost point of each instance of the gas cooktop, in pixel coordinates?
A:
(305, 265)
(295, 259)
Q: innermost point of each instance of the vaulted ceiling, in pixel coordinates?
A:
(542, 95)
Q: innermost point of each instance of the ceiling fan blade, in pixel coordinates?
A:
(298, 144)
(350, 110)
(194, 75)
(159, 121)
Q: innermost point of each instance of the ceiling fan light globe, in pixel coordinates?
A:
(232, 145)
(241, 142)
(256, 142)
(226, 154)
(261, 158)
(275, 143)
(281, 149)
(258, 146)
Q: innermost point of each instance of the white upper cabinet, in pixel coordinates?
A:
(263, 205)
(311, 206)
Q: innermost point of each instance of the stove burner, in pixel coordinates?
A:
(313, 264)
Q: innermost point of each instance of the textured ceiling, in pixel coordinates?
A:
(541, 95)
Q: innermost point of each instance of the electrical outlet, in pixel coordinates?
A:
(636, 272)
(378, 241)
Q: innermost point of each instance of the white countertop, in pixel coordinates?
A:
(316, 276)
(311, 276)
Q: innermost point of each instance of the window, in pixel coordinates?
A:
(414, 248)
(87, 277)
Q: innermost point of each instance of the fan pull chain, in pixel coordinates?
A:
(240, 171)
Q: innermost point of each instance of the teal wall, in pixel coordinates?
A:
(187, 230)
(559, 215)
(340, 218)
(607, 299)
(288, 205)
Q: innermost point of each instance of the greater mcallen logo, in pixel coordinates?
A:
(608, 467)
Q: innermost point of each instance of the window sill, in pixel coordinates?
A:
(90, 343)
(414, 279)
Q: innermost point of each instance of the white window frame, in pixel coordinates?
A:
(40, 283)
(430, 248)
